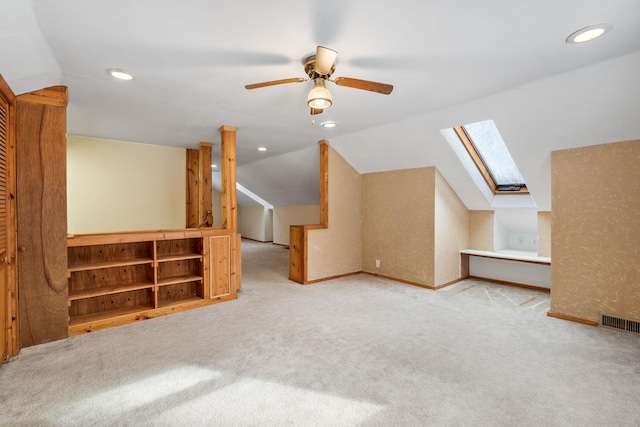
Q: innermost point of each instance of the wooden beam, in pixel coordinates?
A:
(229, 201)
(205, 206)
(324, 183)
(55, 95)
(193, 205)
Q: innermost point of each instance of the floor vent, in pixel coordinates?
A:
(621, 324)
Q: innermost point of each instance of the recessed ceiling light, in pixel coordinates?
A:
(589, 33)
(120, 74)
(262, 148)
(214, 165)
(328, 124)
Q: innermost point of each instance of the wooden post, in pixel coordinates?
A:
(229, 202)
(193, 204)
(324, 183)
(204, 185)
(42, 215)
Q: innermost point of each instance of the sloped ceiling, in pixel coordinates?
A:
(451, 62)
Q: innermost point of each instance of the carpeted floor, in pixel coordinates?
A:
(354, 351)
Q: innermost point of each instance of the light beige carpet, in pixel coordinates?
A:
(354, 351)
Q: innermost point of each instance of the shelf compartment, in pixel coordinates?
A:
(109, 255)
(178, 293)
(183, 270)
(106, 315)
(105, 278)
(89, 293)
(111, 304)
(178, 248)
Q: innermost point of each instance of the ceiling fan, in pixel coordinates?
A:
(319, 68)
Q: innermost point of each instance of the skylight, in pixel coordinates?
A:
(491, 156)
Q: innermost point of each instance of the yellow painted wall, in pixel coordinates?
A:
(398, 224)
(338, 249)
(286, 216)
(451, 225)
(595, 224)
(121, 186)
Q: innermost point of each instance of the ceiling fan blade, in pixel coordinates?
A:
(325, 58)
(315, 111)
(275, 82)
(364, 85)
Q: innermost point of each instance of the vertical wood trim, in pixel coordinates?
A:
(206, 267)
(296, 253)
(324, 183)
(10, 334)
(193, 205)
(236, 257)
(13, 345)
(229, 203)
(221, 269)
(42, 220)
(204, 188)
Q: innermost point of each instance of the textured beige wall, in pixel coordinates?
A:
(398, 224)
(481, 230)
(595, 221)
(117, 186)
(451, 231)
(285, 216)
(338, 249)
(544, 234)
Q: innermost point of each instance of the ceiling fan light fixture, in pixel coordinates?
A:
(319, 98)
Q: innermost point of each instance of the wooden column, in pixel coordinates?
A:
(229, 203)
(42, 215)
(205, 206)
(193, 205)
(324, 183)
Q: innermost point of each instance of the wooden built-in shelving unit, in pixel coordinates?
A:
(120, 278)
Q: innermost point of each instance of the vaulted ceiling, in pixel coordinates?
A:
(451, 62)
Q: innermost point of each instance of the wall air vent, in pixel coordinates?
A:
(620, 324)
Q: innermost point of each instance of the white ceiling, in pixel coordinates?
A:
(451, 62)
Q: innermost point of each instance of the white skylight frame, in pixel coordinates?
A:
(491, 156)
(510, 200)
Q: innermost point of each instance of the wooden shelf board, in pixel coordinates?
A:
(109, 264)
(167, 258)
(108, 314)
(178, 301)
(89, 293)
(178, 279)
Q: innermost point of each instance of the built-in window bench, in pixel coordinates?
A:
(511, 267)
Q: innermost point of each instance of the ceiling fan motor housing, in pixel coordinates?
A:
(310, 69)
